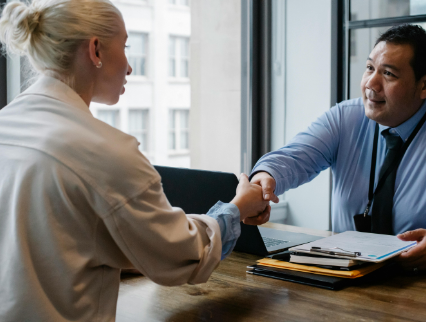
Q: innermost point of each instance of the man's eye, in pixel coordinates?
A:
(369, 67)
(388, 73)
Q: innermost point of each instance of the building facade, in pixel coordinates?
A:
(156, 105)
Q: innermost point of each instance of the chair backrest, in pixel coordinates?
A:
(196, 191)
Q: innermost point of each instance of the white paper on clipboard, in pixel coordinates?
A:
(373, 247)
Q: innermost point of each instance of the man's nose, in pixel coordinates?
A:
(374, 82)
(129, 69)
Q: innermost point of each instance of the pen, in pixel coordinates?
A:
(332, 251)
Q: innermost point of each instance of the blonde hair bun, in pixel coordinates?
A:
(49, 32)
(17, 23)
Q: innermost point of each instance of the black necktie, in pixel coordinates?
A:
(381, 221)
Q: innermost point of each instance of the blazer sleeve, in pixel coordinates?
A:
(162, 242)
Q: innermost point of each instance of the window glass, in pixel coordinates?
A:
(178, 130)
(136, 52)
(184, 58)
(138, 127)
(109, 116)
(184, 130)
(172, 57)
(376, 9)
(179, 57)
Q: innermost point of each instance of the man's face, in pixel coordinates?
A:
(389, 89)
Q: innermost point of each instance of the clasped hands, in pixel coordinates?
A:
(412, 259)
(251, 200)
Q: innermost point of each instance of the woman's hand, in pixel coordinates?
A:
(254, 210)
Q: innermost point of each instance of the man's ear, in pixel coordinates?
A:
(422, 85)
(94, 51)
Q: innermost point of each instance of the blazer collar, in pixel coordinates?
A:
(54, 88)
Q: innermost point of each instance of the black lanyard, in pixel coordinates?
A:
(394, 165)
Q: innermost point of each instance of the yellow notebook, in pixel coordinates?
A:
(318, 270)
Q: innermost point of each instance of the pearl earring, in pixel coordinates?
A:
(99, 65)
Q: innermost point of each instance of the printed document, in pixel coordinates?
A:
(373, 247)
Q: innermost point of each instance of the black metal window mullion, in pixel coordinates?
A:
(384, 22)
(3, 73)
(261, 81)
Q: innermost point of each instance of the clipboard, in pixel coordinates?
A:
(366, 247)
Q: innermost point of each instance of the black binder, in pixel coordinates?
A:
(324, 281)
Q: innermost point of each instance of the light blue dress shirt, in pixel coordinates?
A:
(342, 138)
(228, 217)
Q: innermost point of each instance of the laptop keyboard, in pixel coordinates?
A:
(270, 242)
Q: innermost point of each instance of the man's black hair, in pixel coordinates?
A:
(412, 35)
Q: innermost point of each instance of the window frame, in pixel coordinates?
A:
(177, 56)
(114, 110)
(143, 55)
(256, 102)
(143, 132)
(3, 73)
(177, 131)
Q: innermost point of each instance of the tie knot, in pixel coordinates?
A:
(393, 142)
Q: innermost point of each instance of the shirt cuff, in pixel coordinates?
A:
(228, 217)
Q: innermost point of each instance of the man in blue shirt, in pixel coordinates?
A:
(393, 96)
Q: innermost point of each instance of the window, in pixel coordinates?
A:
(180, 2)
(376, 9)
(136, 52)
(110, 117)
(178, 130)
(138, 127)
(179, 57)
(211, 93)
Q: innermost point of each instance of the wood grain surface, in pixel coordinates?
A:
(233, 295)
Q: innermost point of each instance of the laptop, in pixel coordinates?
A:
(196, 191)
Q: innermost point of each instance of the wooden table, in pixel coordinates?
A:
(232, 295)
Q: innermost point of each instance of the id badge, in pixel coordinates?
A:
(363, 223)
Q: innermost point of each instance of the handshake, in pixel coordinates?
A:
(252, 199)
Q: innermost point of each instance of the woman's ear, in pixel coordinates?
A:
(94, 51)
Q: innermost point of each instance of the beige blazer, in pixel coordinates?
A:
(79, 202)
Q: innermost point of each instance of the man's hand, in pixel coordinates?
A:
(253, 209)
(268, 184)
(414, 258)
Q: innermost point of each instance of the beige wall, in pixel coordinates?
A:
(215, 72)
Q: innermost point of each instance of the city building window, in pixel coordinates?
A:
(180, 2)
(138, 127)
(136, 52)
(179, 57)
(110, 117)
(178, 130)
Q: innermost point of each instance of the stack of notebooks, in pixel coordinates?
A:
(333, 262)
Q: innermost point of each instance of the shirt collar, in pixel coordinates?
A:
(404, 130)
(52, 87)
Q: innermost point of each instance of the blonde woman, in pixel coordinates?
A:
(78, 201)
